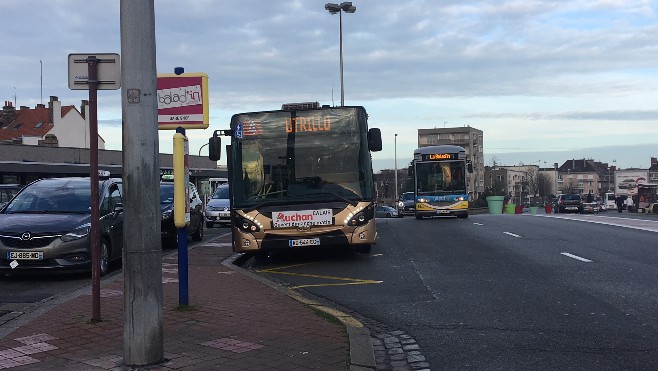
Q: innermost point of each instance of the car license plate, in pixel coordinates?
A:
(32, 255)
(304, 242)
(572, 207)
(443, 211)
(224, 213)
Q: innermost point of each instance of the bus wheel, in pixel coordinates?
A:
(419, 217)
(363, 249)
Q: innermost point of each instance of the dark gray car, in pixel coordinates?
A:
(47, 226)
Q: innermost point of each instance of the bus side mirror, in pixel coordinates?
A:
(374, 140)
(214, 147)
(469, 166)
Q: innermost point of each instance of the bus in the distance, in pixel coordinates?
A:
(301, 177)
(440, 181)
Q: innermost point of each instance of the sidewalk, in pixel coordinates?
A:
(238, 321)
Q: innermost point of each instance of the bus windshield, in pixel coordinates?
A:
(301, 156)
(436, 178)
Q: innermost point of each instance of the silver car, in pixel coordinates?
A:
(218, 209)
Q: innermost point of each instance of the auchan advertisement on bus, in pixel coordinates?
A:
(302, 218)
(627, 181)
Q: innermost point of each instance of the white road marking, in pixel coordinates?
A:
(478, 223)
(512, 234)
(576, 257)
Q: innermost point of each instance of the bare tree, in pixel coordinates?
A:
(544, 185)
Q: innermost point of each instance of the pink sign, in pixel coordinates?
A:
(182, 101)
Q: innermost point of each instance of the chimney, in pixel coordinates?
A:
(654, 161)
(51, 114)
(573, 163)
(82, 107)
(40, 105)
(8, 113)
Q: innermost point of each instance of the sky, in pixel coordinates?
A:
(546, 81)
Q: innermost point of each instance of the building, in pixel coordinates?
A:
(53, 126)
(467, 137)
(584, 176)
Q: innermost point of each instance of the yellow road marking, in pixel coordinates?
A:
(350, 281)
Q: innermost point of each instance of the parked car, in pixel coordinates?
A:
(169, 232)
(47, 226)
(7, 192)
(569, 203)
(385, 212)
(590, 208)
(218, 209)
(406, 205)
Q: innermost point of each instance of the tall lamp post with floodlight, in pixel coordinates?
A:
(346, 7)
(395, 149)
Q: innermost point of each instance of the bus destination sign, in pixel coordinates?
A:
(439, 156)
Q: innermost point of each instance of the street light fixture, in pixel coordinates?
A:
(396, 165)
(346, 7)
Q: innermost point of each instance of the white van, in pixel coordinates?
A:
(609, 201)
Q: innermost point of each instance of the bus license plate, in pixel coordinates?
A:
(32, 255)
(304, 242)
(443, 211)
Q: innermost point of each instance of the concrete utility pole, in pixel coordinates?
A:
(142, 252)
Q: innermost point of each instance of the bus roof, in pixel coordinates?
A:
(445, 148)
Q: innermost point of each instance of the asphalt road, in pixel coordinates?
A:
(502, 292)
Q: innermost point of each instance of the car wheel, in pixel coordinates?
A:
(198, 234)
(104, 257)
(209, 224)
(388, 215)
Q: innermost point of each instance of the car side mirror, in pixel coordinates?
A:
(118, 209)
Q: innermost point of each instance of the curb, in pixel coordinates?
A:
(362, 355)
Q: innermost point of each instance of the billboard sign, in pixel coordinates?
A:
(627, 182)
(183, 101)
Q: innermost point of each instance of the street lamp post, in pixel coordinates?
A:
(396, 166)
(346, 7)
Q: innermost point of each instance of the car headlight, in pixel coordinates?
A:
(167, 214)
(80, 232)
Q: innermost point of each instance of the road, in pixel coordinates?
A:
(508, 292)
(24, 293)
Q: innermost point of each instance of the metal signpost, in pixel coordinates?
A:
(92, 72)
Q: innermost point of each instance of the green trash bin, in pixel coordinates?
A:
(495, 204)
(510, 209)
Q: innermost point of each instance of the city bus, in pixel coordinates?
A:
(440, 181)
(301, 177)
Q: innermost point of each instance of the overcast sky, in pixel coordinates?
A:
(554, 79)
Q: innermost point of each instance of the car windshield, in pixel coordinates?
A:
(166, 193)
(53, 196)
(571, 197)
(221, 193)
(408, 196)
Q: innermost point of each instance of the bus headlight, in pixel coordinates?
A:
(361, 216)
(423, 200)
(247, 224)
(460, 198)
(400, 204)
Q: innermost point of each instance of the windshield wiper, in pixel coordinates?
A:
(264, 203)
